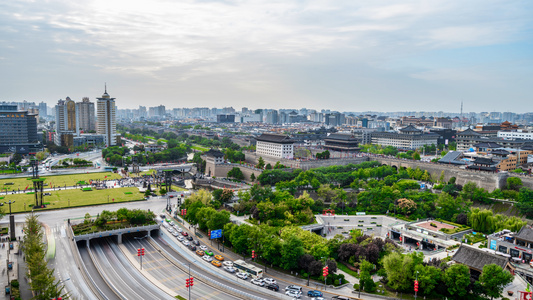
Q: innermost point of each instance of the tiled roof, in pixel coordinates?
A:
(526, 233)
(341, 136)
(487, 145)
(477, 259)
(274, 138)
(452, 157)
(214, 153)
(468, 132)
(410, 128)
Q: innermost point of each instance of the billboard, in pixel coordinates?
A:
(215, 234)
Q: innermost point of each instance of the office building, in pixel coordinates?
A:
(43, 110)
(408, 138)
(18, 130)
(275, 145)
(66, 122)
(87, 121)
(107, 124)
(225, 118)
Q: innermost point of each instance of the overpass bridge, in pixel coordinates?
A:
(116, 232)
(174, 167)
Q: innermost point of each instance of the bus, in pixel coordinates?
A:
(248, 268)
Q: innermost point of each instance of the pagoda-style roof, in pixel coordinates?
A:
(410, 129)
(490, 145)
(275, 138)
(341, 137)
(525, 233)
(476, 258)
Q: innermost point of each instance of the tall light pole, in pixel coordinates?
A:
(10, 202)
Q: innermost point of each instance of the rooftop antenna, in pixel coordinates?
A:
(105, 91)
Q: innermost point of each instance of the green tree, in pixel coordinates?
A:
(260, 163)
(428, 278)
(236, 173)
(252, 177)
(514, 183)
(291, 251)
(493, 279)
(457, 279)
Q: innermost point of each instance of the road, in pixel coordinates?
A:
(169, 275)
(119, 272)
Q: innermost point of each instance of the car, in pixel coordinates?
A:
(186, 243)
(189, 238)
(203, 247)
(314, 293)
(216, 263)
(175, 233)
(219, 257)
(318, 298)
(293, 293)
(208, 252)
(196, 242)
(270, 281)
(207, 258)
(192, 247)
(180, 238)
(228, 263)
(242, 275)
(258, 282)
(200, 252)
(294, 287)
(273, 287)
(340, 298)
(229, 269)
(184, 233)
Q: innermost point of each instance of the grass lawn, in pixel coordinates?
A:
(149, 172)
(69, 180)
(199, 148)
(60, 199)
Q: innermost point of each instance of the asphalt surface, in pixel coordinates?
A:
(93, 272)
(120, 273)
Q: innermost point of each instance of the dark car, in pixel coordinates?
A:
(192, 247)
(314, 294)
(189, 238)
(273, 287)
(196, 242)
(184, 233)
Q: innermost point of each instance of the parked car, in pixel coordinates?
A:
(314, 294)
(258, 282)
(228, 263)
(270, 281)
(293, 293)
(294, 287)
(219, 257)
(273, 287)
(207, 258)
(229, 269)
(242, 275)
(216, 263)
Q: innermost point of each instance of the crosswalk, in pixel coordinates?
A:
(60, 230)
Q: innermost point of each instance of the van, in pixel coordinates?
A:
(294, 288)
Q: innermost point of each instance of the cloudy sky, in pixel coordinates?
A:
(342, 55)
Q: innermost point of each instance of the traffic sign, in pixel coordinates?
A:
(215, 234)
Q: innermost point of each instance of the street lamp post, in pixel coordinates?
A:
(10, 202)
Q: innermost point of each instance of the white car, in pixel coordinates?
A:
(175, 234)
(178, 229)
(186, 243)
(293, 293)
(229, 269)
(203, 247)
(207, 258)
(242, 275)
(258, 282)
(180, 238)
(270, 281)
(227, 263)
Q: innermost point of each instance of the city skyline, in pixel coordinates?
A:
(374, 56)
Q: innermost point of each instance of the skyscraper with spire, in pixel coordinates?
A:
(106, 113)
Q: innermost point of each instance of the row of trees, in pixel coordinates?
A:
(41, 278)
(437, 279)
(133, 217)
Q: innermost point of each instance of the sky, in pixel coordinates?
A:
(340, 55)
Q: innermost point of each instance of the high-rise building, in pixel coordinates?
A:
(43, 111)
(18, 130)
(87, 121)
(272, 117)
(66, 122)
(107, 124)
